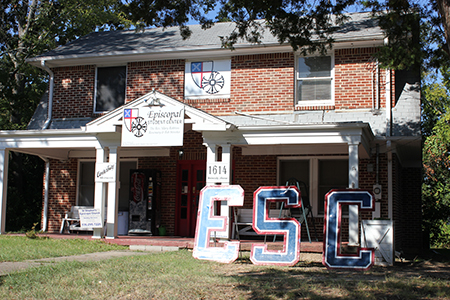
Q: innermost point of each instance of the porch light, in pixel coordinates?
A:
(180, 153)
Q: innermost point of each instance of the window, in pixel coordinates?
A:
(86, 183)
(110, 88)
(333, 174)
(315, 80)
(317, 176)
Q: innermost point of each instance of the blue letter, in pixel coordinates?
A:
(332, 258)
(206, 223)
(289, 228)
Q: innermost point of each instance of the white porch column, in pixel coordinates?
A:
(113, 197)
(99, 193)
(227, 159)
(353, 183)
(4, 161)
(219, 173)
(211, 158)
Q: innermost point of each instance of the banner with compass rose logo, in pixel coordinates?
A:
(207, 79)
(156, 126)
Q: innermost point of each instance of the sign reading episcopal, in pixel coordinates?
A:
(154, 126)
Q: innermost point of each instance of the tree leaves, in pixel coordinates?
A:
(436, 157)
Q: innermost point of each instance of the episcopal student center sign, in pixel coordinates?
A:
(153, 126)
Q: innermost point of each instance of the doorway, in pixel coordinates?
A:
(191, 178)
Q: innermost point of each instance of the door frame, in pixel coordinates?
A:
(190, 222)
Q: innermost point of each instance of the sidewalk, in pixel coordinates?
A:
(8, 267)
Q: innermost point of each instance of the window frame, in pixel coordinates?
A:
(96, 87)
(330, 102)
(313, 176)
(79, 174)
(87, 160)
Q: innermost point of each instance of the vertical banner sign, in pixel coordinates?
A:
(105, 172)
(332, 258)
(207, 79)
(207, 222)
(289, 228)
(153, 126)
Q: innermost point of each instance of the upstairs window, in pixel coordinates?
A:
(110, 88)
(314, 80)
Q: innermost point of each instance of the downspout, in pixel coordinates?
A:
(46, 188)
(46, 160)
(388, 142)
(50, 94)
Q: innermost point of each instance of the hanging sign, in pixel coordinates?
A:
(105, 172)
(207, 79)
(154, 126)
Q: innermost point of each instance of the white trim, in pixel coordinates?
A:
(194, 52)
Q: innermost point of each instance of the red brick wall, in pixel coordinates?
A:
(262, 82)
(165, 76)
(354, 75)
(74, 92)
(62, 191)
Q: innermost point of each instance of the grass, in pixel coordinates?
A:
(176, 275)
(20, 248)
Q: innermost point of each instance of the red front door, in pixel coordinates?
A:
(191, 179)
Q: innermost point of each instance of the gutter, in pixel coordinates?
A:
(50, 95)
(388, 138)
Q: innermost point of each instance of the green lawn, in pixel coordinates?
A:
(20, 248)
(177, 275)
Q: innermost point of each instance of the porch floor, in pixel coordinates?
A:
(185, 242)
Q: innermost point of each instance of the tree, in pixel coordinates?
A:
(436, 158)
(308, 25)
(29, 28)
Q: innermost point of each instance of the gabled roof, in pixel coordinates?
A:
(159, 43)
(200, 120)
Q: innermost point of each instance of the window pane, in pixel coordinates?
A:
(86, 183)
(333, 174)
(298, 170)
(314, 90)
(110, 92)
(316, 66)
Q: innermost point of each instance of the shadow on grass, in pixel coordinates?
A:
(311, 280)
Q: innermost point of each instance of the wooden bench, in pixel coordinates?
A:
(244, 217)
(71, 220)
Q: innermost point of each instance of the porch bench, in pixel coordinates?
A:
(71, 220)
(244, 217)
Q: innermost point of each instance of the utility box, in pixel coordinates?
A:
(379, 234)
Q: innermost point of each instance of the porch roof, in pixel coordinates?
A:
(262, 134)
(195, 118)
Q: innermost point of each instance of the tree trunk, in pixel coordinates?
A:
(444, 11)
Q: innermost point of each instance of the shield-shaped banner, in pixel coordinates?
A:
(129, 114)
(199, 70)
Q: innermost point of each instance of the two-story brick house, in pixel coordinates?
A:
(263, 111)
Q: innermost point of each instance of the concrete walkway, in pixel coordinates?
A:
(8, 267)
